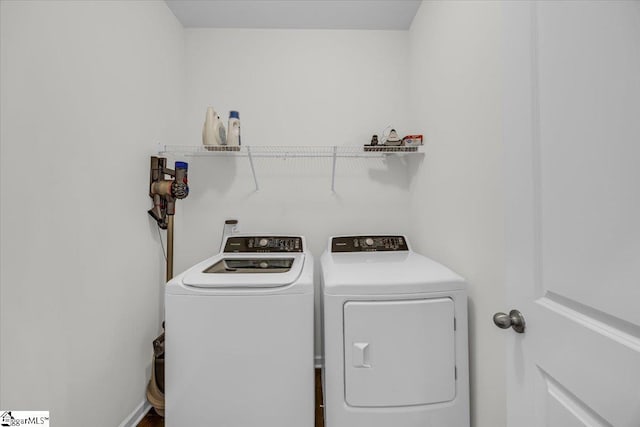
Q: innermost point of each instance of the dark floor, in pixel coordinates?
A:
(154, 420)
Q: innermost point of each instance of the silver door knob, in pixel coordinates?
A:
(514, 319)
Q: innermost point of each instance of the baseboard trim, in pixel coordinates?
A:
(137, 415)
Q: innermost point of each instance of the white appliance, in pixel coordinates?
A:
(239, 337)
(395, 336)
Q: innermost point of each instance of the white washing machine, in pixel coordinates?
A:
(395, 336)
(239, 337)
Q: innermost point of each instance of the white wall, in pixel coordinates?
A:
(457, 196)
(305, 87)
(87, 89)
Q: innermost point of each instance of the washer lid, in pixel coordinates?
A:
(368, 273)
(259, 265)
(246, 271)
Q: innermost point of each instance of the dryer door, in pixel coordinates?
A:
(399, 353)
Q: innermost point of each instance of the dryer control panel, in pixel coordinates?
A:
(369, 244)
(262, 244)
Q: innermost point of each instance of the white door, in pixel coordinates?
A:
(572, 149)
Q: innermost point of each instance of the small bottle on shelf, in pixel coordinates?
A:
(233, 135)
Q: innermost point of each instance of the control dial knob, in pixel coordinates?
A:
(368, 241)
(263, 242)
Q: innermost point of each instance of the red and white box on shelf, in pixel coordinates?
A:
(412, 140)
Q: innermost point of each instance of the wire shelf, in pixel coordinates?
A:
(288, 151)
(332, 152)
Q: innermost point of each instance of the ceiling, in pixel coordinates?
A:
(298, 14)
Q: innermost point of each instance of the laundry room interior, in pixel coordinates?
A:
(527, 116)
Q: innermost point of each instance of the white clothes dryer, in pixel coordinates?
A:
(395, 336)
(239, 337)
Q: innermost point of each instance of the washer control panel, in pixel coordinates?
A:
(253, 244)
(369, 244)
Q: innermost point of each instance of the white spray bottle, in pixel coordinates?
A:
(213, 132)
